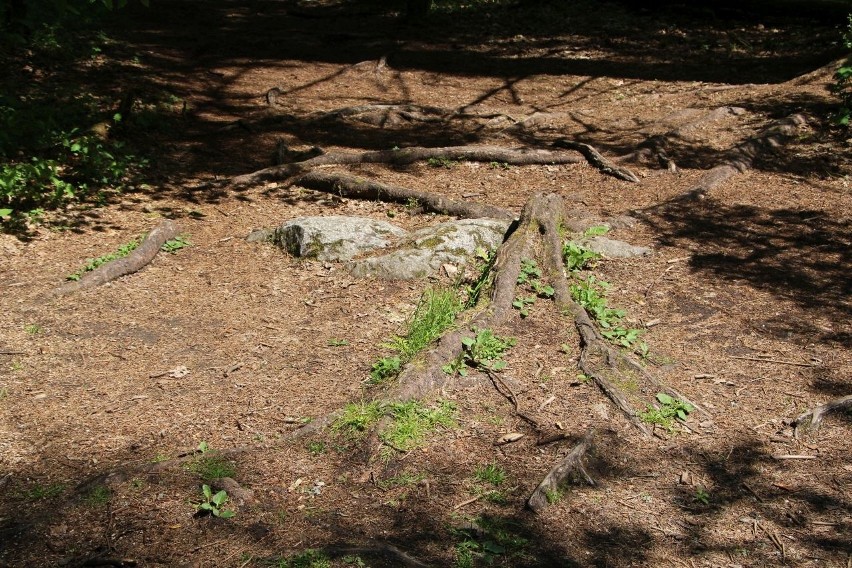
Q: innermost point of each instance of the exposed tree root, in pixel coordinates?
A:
(596, 159)
(657, 147)
(741, 158)
(136, 260)
(407, 156)
(571, 465)
(360, 188)
(811, 420)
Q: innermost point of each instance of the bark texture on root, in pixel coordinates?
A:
(810, 421)
(360, 188)
(569, 466)
(136, 260)
(741, 158)
(596, 159)
(387, 551)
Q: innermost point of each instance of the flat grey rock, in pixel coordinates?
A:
(614, 249)
(335, 237)
(424, 251)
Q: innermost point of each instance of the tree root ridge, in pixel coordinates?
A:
(136, 260)
(741, 158)
(570, 465)
(411, 155)
(596, 159)
(810, 421)
(360, 188)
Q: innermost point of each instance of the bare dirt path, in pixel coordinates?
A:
(745, 303)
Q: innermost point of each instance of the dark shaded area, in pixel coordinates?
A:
(801, 256)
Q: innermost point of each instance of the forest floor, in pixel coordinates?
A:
(744, 304)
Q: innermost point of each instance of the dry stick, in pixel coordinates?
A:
(360, 188)
(567, 466)
(777, 361)
(141, 256)
(811, 419)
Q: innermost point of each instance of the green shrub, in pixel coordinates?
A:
(842, 86)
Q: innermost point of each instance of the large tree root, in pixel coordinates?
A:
(136, 260)
(407, 156)
(568, 467)
(360, 188)
(811, 420)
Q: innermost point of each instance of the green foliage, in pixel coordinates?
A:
(492, 473)
(409, 423)
(94, 263)
(553, 496)
(491, 539)
(435, 313)
(315, 447)
(577, 257)
(485, 261)
(523, 304)
(529, 271)
(334, 342)
(403, 479)
(666, 412)
(38, 492)
(33, 329)
(701, 496)
(99, 496)
(483, 351)
(214, 504)
(591, 294)
(442, 163)
(308, 559)
(842, 86)
(175, 244)
(596, 231)
(210, 465)
(385, 369)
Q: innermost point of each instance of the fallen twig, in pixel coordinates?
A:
(777, 361)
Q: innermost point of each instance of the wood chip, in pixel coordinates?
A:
(509, 438)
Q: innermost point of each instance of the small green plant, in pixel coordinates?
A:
(316, 447)
(403, 479)
(668, 410)
(577, 257)
(492, 473)
(99, 496)
(596, 231)
(442, 162)
(485, 260)
(591, 294)
(214, 504)
(409, 424)
(33, 329)
(701, 496)
(541, 289)
(529, 271)
(485, 350)
(337, 342)
(523, 304)
(499, 166)
(209, 465)
(357, 417)
(308, 559)
(553, 496)
(492, 538)
(175, 244)
(384, 369)
(842, 86)
(436, 311)
(39, 492)
(94, 263)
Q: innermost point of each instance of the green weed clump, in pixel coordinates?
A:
(409, 424)
(668, 410)
(591, 294)
(94, 263)
(435, 313)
